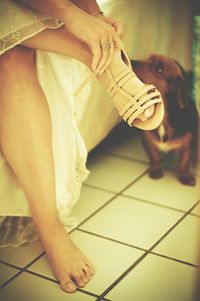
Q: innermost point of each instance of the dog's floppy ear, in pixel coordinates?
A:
(182, 88)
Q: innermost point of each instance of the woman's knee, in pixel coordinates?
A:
(16, 57)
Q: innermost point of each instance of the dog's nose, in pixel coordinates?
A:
(135, 63)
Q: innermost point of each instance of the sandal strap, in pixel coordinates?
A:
(133, 112)
(143, 103)
(137, 103)
(114, 81)
(134, 99)
(146, 105)
(83, 84)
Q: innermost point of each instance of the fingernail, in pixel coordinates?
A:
(101, 72)
(93, 67)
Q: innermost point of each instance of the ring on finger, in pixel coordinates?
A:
(106, 46)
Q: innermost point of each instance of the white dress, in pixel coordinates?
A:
(18, 23)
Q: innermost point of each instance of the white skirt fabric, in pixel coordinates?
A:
(57, 77)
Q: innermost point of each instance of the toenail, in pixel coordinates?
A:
(70, 286)
(81, 283)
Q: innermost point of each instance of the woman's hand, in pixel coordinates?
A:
(101, 37)
(116, 24)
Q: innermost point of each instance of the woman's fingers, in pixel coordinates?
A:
(117, 42)
(104, 51)
(118, 28)
(107, 49)
(102, 39)
(96, 52)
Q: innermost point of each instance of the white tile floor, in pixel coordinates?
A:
(141, 234)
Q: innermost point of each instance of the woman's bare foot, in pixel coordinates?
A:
(133, 85)
(69, 264)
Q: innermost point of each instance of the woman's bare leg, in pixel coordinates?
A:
(26, 142)
(60, 41)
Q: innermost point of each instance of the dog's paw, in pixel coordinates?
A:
(187, 179)
(156, 173)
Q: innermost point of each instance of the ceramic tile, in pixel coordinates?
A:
(113, 173)
(167, 191)
(155, 279)
(90, 200)
(23, 255)
(109, 258)
(132, 222)
(183, 242)
(33, 288)
(6, 273)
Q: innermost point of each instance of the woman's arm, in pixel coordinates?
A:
(89, 6)
(54, 8)
(95, 33)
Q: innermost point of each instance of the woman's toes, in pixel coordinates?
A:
(87, 272)
(147, 113)
(91, 267)
(79, 280)
(68, 286)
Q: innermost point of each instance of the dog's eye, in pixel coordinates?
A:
(159, 67)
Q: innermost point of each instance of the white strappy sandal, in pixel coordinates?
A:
(131, 106)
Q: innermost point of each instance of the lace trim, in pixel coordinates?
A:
(17, 36)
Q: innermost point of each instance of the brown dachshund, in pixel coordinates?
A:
(178, 130)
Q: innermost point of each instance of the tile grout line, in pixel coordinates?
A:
(117, 194)
(137, 198)
(123, 275)
(126, 158)
(57, 282)
(99, 188)
(174, 226)
(22, 270)
(111, 239)
(77, 228)
(10, 264)
(194, 214)
(48, 279)
(135, 247)
(175, 259)
(10, 279)
(156, 204)
(108, 202)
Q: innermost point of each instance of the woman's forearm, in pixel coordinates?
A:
(89, 6)
(60, 9)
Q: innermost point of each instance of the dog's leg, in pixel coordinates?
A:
(184, 174)
(155, 170)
